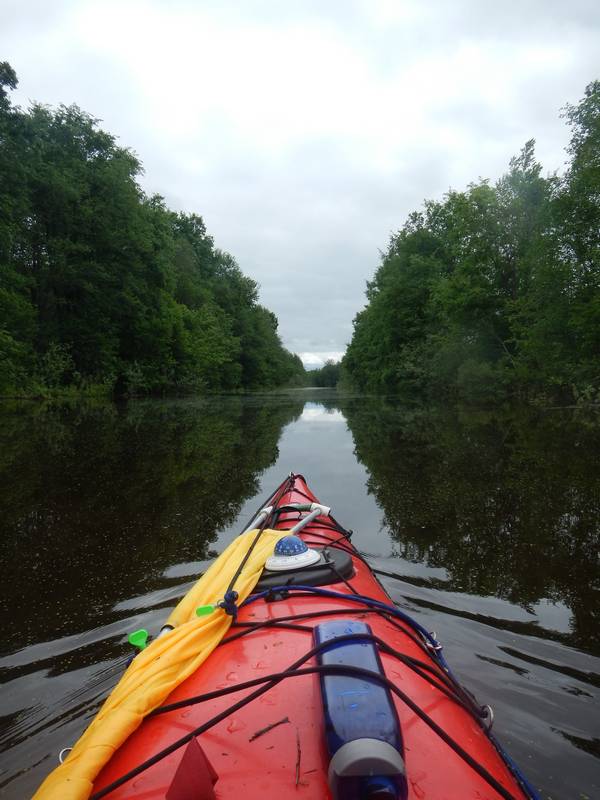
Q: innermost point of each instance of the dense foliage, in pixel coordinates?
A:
(101, 285)
(494, 290)
(327, 375)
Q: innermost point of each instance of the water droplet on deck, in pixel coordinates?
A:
(268, 701)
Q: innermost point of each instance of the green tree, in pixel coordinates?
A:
(495, 290)
(100, 284)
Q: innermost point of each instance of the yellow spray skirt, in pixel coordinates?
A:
(158, 669)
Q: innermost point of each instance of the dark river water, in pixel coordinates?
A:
(486, 525)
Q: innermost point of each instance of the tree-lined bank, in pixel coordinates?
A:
(490, 293)
(103, 287)
(495, 291)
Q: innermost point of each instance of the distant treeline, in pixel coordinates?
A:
(327, 375)
(495, 291)
(102, 287)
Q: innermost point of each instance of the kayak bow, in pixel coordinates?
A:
(287, 669)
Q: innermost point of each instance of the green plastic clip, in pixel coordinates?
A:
(202, 611)
(138, 639)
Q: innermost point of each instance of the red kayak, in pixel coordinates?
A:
(322, 688)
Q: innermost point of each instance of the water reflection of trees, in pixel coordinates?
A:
(507, 502)
(97, 501)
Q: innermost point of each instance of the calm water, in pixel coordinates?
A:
(487, 526)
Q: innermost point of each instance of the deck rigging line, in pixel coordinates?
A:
(441, 678)
(296, 670)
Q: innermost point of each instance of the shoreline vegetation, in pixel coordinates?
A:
(488, 296)
(105, 291)
(493, 293)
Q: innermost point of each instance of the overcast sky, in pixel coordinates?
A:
(305, 132)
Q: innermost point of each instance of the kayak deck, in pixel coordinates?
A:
(274, 745)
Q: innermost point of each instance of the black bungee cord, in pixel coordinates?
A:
(447, 683)
(295, 670)
(230, 597)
